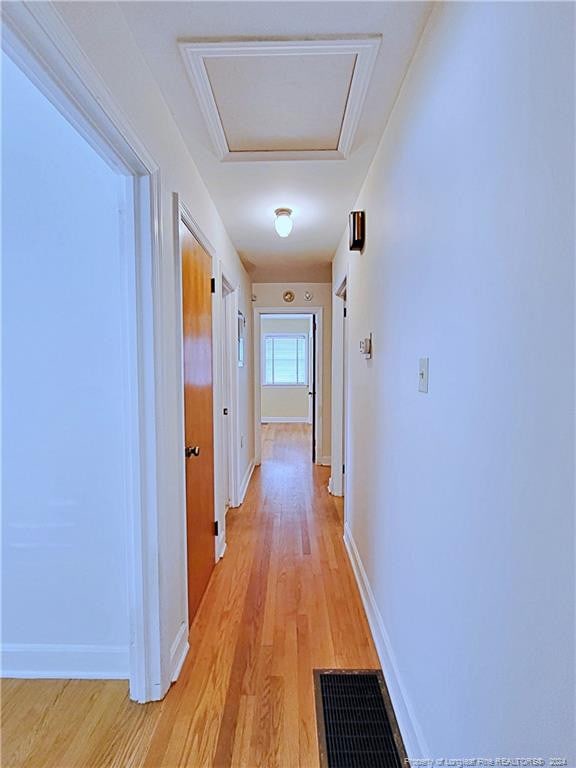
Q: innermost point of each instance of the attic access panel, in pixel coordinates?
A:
(281, 99)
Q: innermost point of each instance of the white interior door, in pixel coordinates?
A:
(226, 398)
(344, 395)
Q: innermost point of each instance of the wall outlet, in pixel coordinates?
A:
(423, 374)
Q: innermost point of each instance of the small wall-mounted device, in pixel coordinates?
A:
(357, 227)
(366, 347)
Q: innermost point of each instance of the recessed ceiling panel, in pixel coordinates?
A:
(281, 103)
(281, 99)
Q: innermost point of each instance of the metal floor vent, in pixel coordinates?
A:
(356, 723)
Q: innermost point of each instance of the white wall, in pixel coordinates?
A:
(64, 585)
(284, 403)
(461, 502)
(270, 295)
(102, 33)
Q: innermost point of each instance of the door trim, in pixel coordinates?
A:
(231, 331)
(339, 411)
(318, 313)
(39, 42)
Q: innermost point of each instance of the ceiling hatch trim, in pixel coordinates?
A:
(365, 49)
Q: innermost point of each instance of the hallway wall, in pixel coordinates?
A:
(102, 32)
(64, 395)
(460, 502)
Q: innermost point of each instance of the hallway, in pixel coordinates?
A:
(281, 603)
(288, 382)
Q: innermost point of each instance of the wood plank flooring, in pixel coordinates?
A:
(282, 602)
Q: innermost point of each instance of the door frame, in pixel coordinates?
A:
(230, 331)
(318, 313)
(39, 42)
(182, 214)
(225, 457)
(336, 485)
(219, 329)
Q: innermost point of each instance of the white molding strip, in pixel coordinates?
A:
(285, 420)
(221, 547)
(325, 461)
(363, 47)
(412, 735)
(246, 481)
(178, 651)
(74, 662)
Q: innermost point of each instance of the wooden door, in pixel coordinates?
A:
(198, 413)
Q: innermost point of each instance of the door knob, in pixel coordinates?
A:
(192, 450)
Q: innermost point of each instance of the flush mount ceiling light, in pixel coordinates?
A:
(283, 223)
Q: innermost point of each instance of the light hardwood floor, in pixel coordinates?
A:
(282, 602)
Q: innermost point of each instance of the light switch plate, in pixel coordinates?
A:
(423, 374)
(366, 347)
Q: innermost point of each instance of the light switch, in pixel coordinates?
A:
(423, 374)
(366, 347)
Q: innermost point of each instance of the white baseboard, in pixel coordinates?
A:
(332, 488)
(220, 547)
(285, 420)
(412, 735)
(245, 481)
(324, 461)
(179, 651)
(74, 662)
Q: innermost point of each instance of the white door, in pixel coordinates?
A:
(226, 397)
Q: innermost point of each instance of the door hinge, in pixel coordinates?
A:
(212, 285)
(215, 527)
(343, 468)
(345, 311)
(225, 411)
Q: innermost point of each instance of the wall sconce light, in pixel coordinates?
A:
(357, 227)
(283, 223)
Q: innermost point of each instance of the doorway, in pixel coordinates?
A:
(33, 41)
(228, 473)
(288, 390)
(287, 381)
(67, 379)
(196, 265)
(227, 448)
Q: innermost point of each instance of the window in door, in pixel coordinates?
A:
(285, 360)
